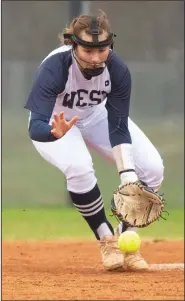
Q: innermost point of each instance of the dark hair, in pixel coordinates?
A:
(83, 22)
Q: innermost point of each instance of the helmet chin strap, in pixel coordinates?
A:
(93, 72)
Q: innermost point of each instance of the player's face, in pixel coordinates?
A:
(92, 58)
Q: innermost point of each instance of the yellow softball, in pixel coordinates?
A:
(129, 242)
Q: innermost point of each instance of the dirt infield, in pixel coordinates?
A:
(73, 271)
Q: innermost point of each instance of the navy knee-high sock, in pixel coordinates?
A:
(91, 207)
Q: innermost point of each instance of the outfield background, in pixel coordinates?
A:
(150, 38)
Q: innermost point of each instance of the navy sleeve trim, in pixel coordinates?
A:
(39, 128)
(118, 130)
(118, 102)
(50, 81)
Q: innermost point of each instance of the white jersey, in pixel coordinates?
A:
(78, 95)
(81, 95)
(60, 86)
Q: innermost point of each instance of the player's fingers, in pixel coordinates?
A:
(61, 115)
(56, 117)
(53, 124)
(53, 131)
(73, 120)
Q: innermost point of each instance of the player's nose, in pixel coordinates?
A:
(95, 58)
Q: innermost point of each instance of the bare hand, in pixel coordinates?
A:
(61, 126)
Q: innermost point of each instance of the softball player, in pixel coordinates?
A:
(81, 97)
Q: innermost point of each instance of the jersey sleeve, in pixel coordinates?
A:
(49, 82)
(118, 103)
(39, 128)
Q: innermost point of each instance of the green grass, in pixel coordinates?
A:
(29, 181)
(67, 223)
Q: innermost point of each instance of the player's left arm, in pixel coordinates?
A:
(133, 202)
(118, 103)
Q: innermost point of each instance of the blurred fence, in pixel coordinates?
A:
(150, 39)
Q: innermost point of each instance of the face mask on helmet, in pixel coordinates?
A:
(91, 45)
(93, 72)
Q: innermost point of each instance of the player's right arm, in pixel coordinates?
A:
(49, 82)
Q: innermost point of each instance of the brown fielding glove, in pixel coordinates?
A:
(137, 204)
